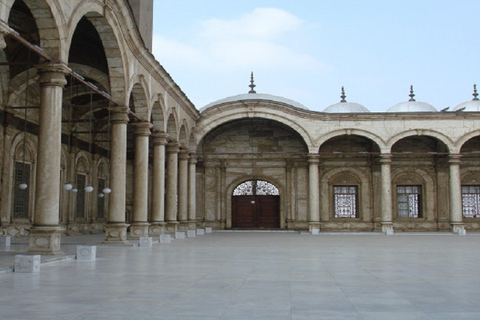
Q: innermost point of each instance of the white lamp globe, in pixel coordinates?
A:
(67, 186)
(23, 186)
(106, 190)
(101, 195)
(88, 189)
(75, 190)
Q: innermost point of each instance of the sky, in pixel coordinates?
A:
(306, 50)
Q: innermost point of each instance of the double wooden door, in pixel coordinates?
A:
(256, 212)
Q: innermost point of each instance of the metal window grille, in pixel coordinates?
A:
(409, 201)
(257, 188)
(345, 201)
(80, 208)
(21, 197)
(471, 201)
(101, 201)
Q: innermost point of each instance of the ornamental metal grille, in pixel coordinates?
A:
(471, 201)
(409, 201)
(101, 201)
(256, 188)
(20, 197)
(345, 201)
(80, 209)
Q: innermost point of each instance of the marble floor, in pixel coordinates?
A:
(256, 275)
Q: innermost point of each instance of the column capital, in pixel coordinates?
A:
(119, 115)
(173, 147)
(160, 138)
(386, 158)
(183, 154)
(454, 158)
(53, 74)
(142, 128)
(193, 158)
(313, 158)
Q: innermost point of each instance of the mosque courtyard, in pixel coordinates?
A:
(253, 275)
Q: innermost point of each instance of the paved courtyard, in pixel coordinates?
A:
(256, 275)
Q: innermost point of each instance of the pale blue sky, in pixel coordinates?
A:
(306, 50)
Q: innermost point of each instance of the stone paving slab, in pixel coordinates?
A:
(258, 275)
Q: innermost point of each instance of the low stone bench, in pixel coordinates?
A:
(27, 263)
(88, 253)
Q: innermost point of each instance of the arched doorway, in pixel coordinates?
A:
(256, 205)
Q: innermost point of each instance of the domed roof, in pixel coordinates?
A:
(412, 105)
(345, 107)
(472, 105)
(253, 95)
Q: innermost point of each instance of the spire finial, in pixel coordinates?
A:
(475, 93)
(343, 96)
(411, 95)
(252, 85)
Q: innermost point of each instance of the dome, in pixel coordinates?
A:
(472, 105)
(412, 105)
(345, 107)
(254, 96)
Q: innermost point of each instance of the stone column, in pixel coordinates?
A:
(45, 235)
(192, 192)
(288, 193)
(171, 197)
(116, 228)
(157, 221)
(386, 195)
(456, 216)
(139, 226)
(3, 44)
(183, 189)
(313, 192)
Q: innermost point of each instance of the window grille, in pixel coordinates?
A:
(101, 201)
(471, 201)
(21, 197)
(409, 201)
(345, 201)
(257, 188)
(80, 209)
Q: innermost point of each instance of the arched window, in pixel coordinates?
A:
(256, 188)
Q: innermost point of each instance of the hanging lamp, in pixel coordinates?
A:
(89, 188)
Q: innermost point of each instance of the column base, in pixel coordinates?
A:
(458, 227)
(45, 240)
(192, 225)
(156, 229)
(182, 226)
(387, 228)
(171, 227)
(313, 226)
(116, 233)
(139, 229)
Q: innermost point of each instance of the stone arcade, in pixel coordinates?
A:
(97, 136)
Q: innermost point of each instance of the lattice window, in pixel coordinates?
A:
(409, 201)
(257, 188)
(101, 200)
(21, 197)
(345, 201)
(471, 201)
(80, 209)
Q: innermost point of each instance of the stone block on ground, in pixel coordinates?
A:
(165, 238)
(5, 241)
(200, 232)
(145, 242)
(180, 235)
(208, 230)
(27, 263)
(87, 253)
(191, 233)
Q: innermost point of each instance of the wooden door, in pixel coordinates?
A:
(256, 212)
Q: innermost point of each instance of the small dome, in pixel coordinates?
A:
(412, 105)
(345, 107)
(472, 105)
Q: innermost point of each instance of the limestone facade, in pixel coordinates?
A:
(84, 105)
